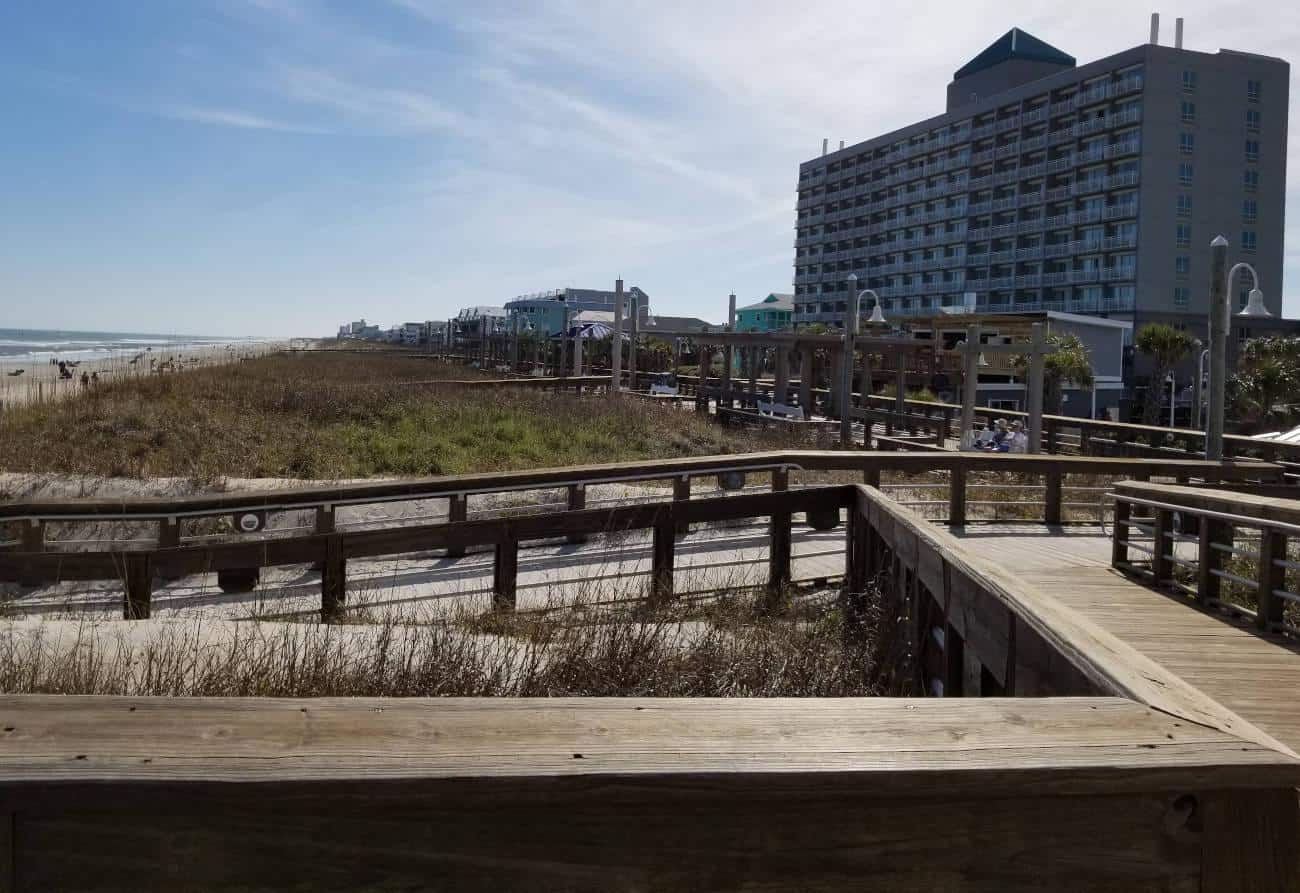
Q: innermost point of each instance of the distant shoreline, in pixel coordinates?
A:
(37, 346)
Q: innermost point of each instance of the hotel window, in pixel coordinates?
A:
(1253, 90)
(1252, 150)
(1248, 241)
(1182, 266)
(1185, 173)
(1252, 120)
(1189, 81)
(1184, 235)
(1184, 206)
(1249, 210)
(1188, 112)
(1186, 143)
(1250, 180)
(1182, 296)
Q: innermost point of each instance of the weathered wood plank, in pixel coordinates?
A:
(1055, 745)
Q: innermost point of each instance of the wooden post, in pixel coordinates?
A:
(778, 569)
(333, 580)
(577, 501)
(169, 537)
(661, 570)
(139, 586)
(1054, 479)
(33, 540)
(169, 533)
(806, 380)
(682, 493)
(505, 574)
(1118, 547)
(457, 511)
(1161, 544)
(1270, 576)
(781, 392)
(1052, 432)
(1210, 559)
(957, 496)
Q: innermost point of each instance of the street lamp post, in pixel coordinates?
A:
(846, 364)
(851, 329)
(1220, 281)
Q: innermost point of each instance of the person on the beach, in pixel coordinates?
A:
(85, 381)
(94, 378)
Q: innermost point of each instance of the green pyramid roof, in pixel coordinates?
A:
(1015, 44)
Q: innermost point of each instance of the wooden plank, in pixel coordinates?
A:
(586, 839)
(1250, 841)
(1108, 662)
(892, 746)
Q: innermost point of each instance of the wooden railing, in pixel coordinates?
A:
(1234, 538)
(1123, 776)
(32, 560)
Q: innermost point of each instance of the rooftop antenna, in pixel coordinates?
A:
(1155, 28)
(841, 144)
(1178, 33)
(826, 145)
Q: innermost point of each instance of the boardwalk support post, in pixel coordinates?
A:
(957, 496)
(778, 576)
(1271, 576)
(577, 501)
(661, 570)
(457, 511)
(139, 586)
(333, 581)
(505, 574)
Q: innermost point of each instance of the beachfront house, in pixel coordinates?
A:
(775, 313)
(546, 311)
(471, 323)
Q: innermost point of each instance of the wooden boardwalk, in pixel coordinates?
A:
(1255, 676)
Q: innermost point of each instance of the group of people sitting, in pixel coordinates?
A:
(1002, 438)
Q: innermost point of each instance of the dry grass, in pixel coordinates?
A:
(332, 415)
(729, 648)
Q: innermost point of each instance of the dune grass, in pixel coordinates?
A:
(331, 415)
(733, 647)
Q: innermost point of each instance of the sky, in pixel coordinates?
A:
(278, 167)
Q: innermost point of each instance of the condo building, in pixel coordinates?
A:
(1049, 186)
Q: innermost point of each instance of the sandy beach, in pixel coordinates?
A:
(40, 381)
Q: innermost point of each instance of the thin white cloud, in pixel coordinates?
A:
(228, 118)
(386, 107)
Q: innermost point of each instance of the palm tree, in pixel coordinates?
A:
(1167, 347)
(1070, 362)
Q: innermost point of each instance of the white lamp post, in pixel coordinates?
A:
(1220, 282)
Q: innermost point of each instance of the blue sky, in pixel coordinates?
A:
(280, 166)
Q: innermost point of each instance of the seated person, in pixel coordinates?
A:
(1019, 440)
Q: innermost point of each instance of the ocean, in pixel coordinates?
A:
(40, 345)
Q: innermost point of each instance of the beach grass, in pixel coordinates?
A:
(734, 647)
(330, 415)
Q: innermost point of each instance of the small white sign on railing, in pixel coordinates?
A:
(663, 390)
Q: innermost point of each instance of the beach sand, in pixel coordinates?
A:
(40, 381)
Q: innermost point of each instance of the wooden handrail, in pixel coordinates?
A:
(453, 485)
(1214, 515)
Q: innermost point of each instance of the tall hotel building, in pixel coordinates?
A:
(1045, 186)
